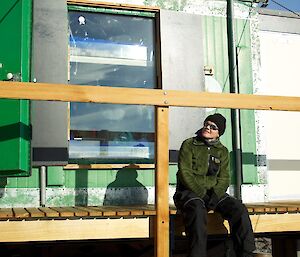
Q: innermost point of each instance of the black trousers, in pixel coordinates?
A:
(195, 220)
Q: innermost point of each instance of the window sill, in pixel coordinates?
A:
(108, 166)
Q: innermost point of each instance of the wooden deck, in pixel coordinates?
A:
(112, 222)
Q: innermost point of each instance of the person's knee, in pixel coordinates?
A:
(194, 215)
(194, 209)
(232, 209)
(196, 205)
(239, 212)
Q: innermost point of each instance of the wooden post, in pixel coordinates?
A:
(161, 239)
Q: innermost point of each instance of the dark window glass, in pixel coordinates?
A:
(118, 51)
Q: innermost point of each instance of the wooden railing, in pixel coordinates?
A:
(156, 97)
(161, 99)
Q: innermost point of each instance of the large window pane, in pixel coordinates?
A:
(118, 51)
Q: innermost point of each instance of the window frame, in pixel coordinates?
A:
(116, 9)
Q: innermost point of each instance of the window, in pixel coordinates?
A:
(115, 50)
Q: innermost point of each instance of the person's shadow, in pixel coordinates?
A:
(125, 189)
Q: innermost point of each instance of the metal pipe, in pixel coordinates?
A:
(43, 170)
(235, 113)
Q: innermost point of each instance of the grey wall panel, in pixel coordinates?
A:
(182, 69)
(278, 21)
(50, 64)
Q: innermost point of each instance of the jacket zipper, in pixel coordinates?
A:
(208, 149)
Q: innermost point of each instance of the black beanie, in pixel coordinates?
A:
(219, 120)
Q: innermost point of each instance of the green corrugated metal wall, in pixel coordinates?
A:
(215, 47)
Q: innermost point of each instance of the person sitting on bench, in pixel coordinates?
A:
(202, 181)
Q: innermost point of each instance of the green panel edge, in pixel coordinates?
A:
(248, 129)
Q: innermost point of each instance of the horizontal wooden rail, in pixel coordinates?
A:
(141, 96)
(74, 229)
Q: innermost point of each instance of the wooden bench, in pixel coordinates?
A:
(112, 222)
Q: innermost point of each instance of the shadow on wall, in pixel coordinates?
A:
(125, 189)
(14, 131)
(3, 184)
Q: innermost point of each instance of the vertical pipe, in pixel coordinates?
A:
(43, 170)
(161, 240)
(235, 113)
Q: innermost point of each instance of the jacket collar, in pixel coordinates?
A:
(200, 141)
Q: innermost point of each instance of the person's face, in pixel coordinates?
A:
(210, 130)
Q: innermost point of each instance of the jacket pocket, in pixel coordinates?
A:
(213, 165)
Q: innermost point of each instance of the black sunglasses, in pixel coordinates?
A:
(211, 126)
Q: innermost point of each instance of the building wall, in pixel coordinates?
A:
(81, 187)
(281, 77)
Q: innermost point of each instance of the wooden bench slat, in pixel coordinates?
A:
(293, 209)
(35, 212)
(49, 212)
(119, 210)
(64, 211)
(281, 209)
(80, 212)
(91, 212)
(135, 211)
(131, 211)
(259, 209)
(148, 210)
(6, 213)
(105, 210)
(270, 209)
(250, 210)
(20, 213)
(124, 212)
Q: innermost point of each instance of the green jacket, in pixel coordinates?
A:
(193, 163)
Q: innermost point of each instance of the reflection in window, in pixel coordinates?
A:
(118, 51)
